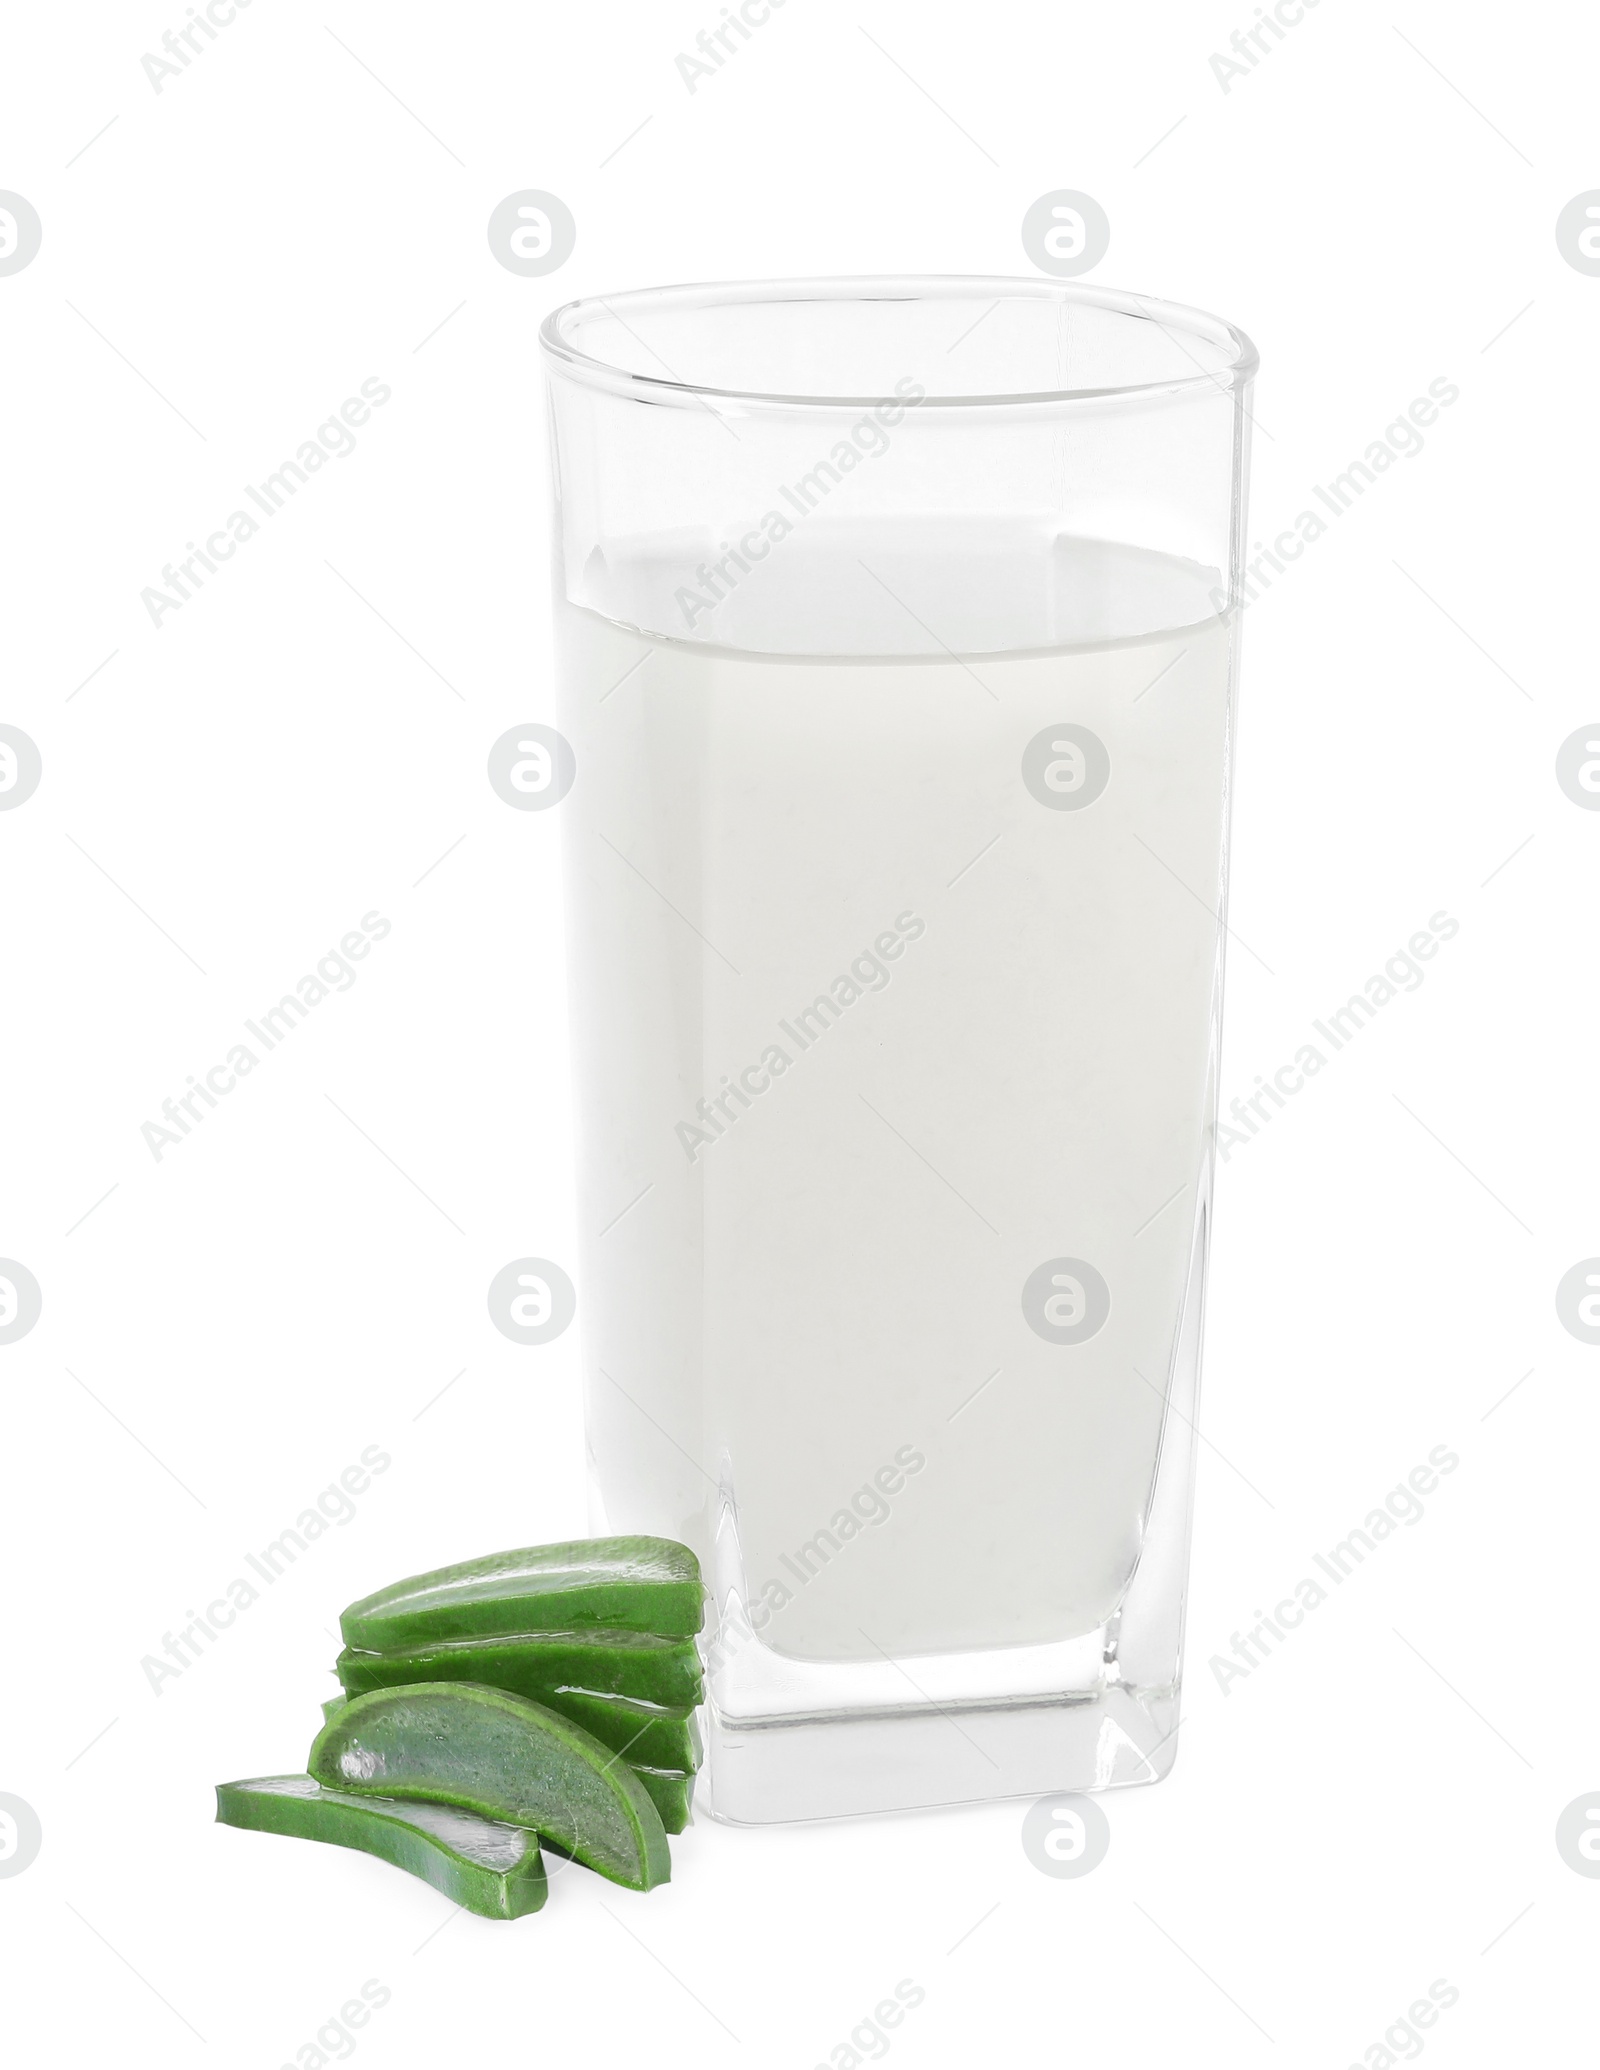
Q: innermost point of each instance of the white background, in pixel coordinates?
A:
(304, 742)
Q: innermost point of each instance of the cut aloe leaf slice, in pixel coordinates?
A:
(671, 1792)
(658, 1735)
(538, 1664)
(645, 1734)
(505, 1758)
(492, 1868)
(632, 1584)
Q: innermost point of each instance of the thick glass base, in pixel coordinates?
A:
(764, 1768)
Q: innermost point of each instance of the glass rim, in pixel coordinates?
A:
(1176, 319)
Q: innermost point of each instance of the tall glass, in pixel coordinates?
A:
(898, 626)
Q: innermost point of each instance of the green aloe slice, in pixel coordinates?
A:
(657, 1735)
(671, 1792)
(505, 1758)
(539, 1664)
(492, 1868)
(645, 1734)
(633, 1584)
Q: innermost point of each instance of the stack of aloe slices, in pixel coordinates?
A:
(543, 1694)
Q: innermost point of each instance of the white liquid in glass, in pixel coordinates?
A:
(1010, 1064)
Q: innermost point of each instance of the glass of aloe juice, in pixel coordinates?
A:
(897, 624)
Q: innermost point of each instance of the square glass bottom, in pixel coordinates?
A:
(763, 1768)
